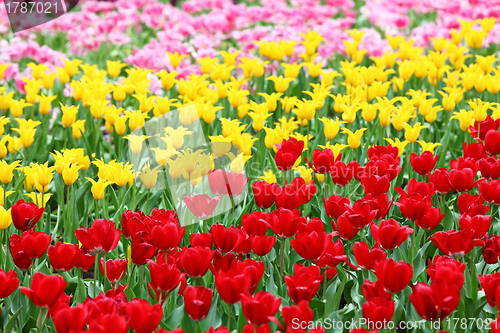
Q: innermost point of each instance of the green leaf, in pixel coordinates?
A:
(12, 321)
(175, 317)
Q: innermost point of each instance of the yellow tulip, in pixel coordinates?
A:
(69, 114)
(398, 144)
(149, 177)
(99, 187)
(114, 67)
(412, 133)
(5, 218)
(332, 127)
(466, 119)
(354, 139)
(70, 173)
(45, 103)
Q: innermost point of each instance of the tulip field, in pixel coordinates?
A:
(251, 166)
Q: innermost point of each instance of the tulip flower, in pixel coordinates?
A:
(285, 223)
(304, 284)
(361, 214)
(25, 215)
(21, 258)
(197, 302)
(164, 277)
(167, 236)
(431, 219)
(378, 311)
(492, 142)
(99, 187)
(335, 205)
(365, 257)
(232, 284)
(390, 234)
(455, 243)
(34, 244)
(132, 219)
(439, 178)
(288, 153)
(8, 283)
(5, 218)
(255, 269)
(342, 174)
(424, 163)
(115, 269)
(344, 228)
(45, 289)
(414, 206)
(373, 290)
(259, 309)
(263, 193)
(435, 302)
(141, 251)
(201, 205)
(142, 317)
(375, 185)
(301, 312)
(100, 238)
(487, 125)
(323, 160)
(196, 260)
(479, 224)
(256, 223)
(64, 257)
(490, 191)
(491, 249)
(262, 245)
(226, 183)
(393, 275)
(72, 319)
(225, 239)
(490, 168)
(312, 245)
(448, 269)
(201, 239)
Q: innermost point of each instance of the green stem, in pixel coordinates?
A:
(147, 201)
(141, 281)
(41, 319)
(229, 318)
(96, 208)
(282, 250)
(96, 271)
(325, 283)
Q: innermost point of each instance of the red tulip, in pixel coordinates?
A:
(431, 219)
(479, 224)
(256, 223)
(386, 165)
(341, 173)
(34, 243)
(115, 269)
(492, 142)
(365, 257)
(21, 259)
(244, 245)
(375, 185)
(424, 163)
(333, 255)
(377, 312)
(45, 289)
(129, 217)
(323, 160)
(109, 323)
(288, 153)
(335, 205)
(436, 301)
(226, 183)
(287, 197)
(197, 302)
(393, 275)
(455, 243)
(71, 319)
(141, 251)
(422, 188)
(462, 180)
(164, 277)
(8, 282)
(307, 192)
(361, 214)
(448, 269)
(85, 261)
(62, 303)
(232, 284)
(142, 317)
(463, 163)
(474, 150)
(305, 282)
(344, 228)
(285, 222)
(260, 309)
(486, 125)
(25, 215)
(490, 168)
(255, 269)
(262, 245)
(390, 234)
(439, 178)
(201, 239)
(100, 238)
(491, 249)
(201, 205)
(168, 236)
(382, 151)
(225, 239)
(490, 191)
(196, 260)
(294, 314)
(101, 305)
(64, 257)
(471, 204)
(414, 206)
(263, 193)
(311, 246)
(380, 203)
(223, 262)
(373, 290)
(491, 287)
